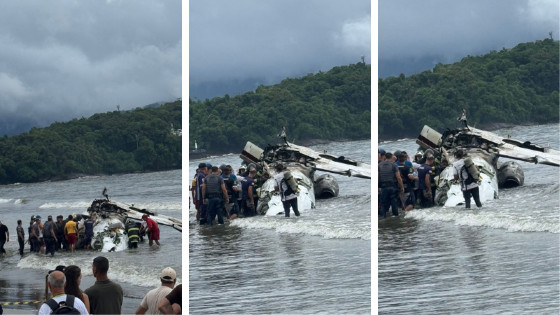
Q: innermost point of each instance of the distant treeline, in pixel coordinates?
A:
(109, 143)
(518, 85)
(329, 105)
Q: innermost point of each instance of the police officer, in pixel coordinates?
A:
(213, 189)
(389, 177)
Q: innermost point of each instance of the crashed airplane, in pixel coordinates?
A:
(302, 162)
(111, 218)
(484, 148)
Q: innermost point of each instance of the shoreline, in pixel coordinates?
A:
(305, 143)
(487, 127)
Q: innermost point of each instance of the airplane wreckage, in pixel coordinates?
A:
(301, 162)
(111, 219)
(484, 148)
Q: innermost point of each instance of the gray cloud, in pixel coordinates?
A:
(66, 59)
(434, 31)
(271, 40)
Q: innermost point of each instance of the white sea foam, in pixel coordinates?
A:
(495, 220)
(83, 205)
(295, 225)
(5, 200)
(159, 206)
(136, 274)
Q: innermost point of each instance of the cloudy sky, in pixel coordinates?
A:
(67, 59)
(416, 35)
(236, 45)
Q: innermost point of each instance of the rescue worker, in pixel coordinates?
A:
(288, 195)
(71, 232)
(60, 233)
(230, 180)
(152, 229)
(21, 236)
(213, 189)
(88, 225)
(201, 207)
(133, 233)
(248, 194)
(389, 178)
(407, 175)
(469, 185)
(49, 236)
(425, 178)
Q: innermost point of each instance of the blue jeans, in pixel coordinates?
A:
(389, 197)
(215, 206)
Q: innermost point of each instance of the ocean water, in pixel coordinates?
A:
(501, 259)
(316, 263)
(22, 279)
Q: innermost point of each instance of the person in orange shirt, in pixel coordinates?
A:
(71, 233)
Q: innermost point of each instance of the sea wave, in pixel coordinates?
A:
(65, 205)
(488, 219)
(135, 274)
(294, 225)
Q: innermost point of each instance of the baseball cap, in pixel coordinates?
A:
(381, 150)
(37, 217)
(168, 274)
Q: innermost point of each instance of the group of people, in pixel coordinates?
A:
(106, 296)
(49, 237)
(408, 183)
(219, 192)
(404, 182)
(69, 234)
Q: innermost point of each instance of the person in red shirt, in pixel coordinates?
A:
(152, 230)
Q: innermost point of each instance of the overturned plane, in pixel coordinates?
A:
(484, 148)
(302, 163)
(111, 218)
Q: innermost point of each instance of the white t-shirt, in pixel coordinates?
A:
(456, 169)
(78, 304)
(278, 178)
(152, 299)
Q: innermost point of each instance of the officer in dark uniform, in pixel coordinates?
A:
(214, 192)
(389, 177)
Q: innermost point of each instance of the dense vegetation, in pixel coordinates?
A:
(109, 143)
(518, 85)
(328, 105)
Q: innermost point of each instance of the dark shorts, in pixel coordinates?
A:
(72, 238)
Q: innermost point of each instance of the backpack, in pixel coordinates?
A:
(469, 179)
(290, 181)
(63, 307)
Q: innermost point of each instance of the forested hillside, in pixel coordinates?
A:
(518, 85)
(109, 143)
(328, 105)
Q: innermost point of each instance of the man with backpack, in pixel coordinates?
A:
(462, 171)
(61, 303)
(288, 190)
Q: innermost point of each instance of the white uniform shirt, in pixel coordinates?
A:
(456, 169)
(278, 179)
(78, 304)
